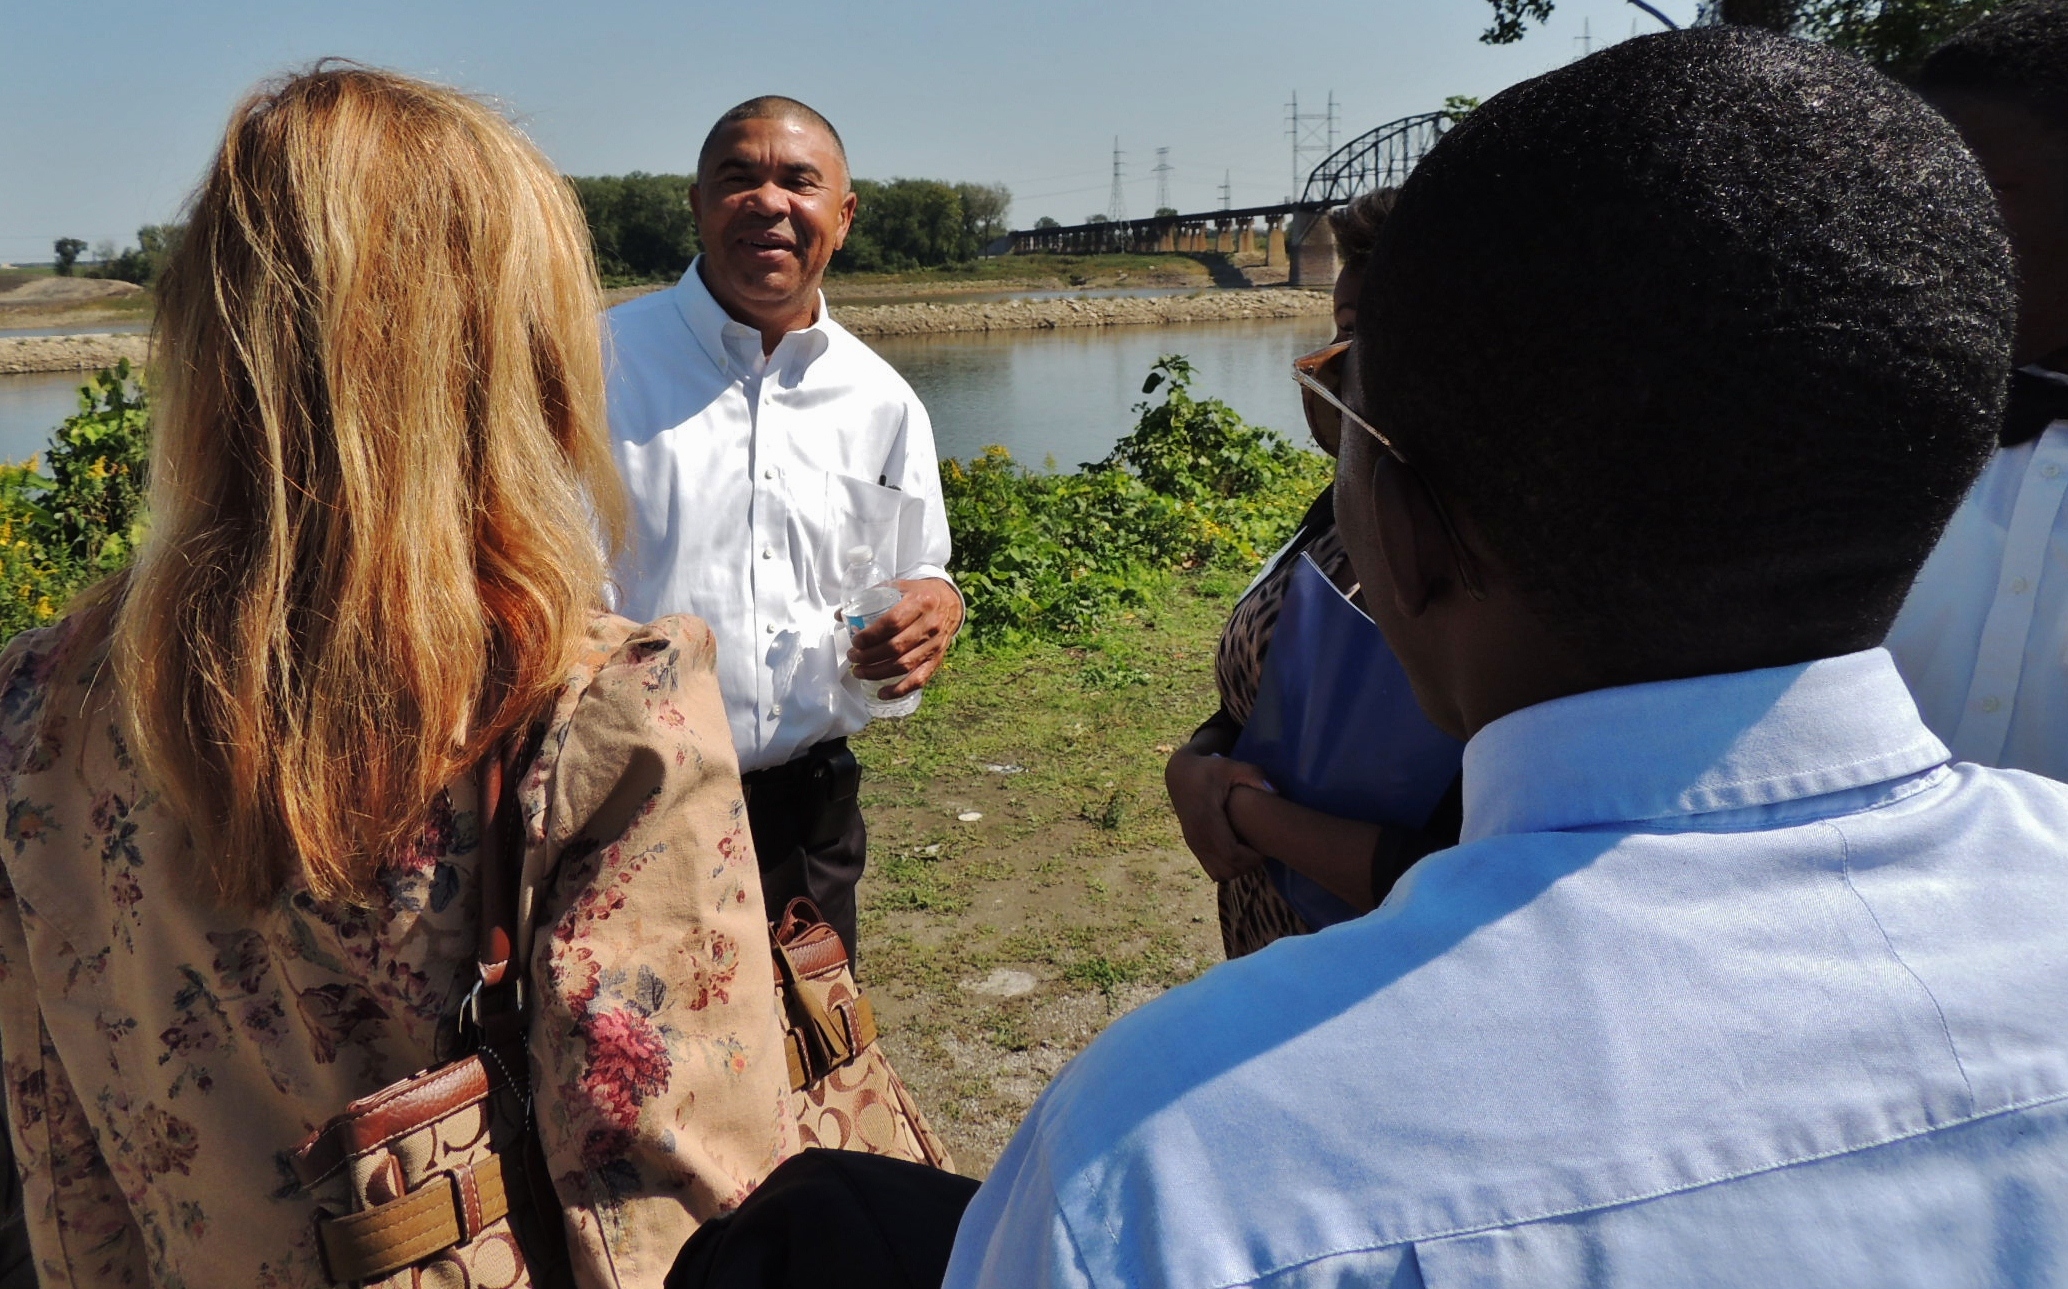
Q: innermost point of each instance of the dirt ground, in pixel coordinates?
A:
(996, 948)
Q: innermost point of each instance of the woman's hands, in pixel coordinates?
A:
(1199, 780)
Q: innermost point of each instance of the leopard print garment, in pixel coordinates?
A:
(1252, 912)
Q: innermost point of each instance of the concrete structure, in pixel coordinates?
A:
(1310, 250)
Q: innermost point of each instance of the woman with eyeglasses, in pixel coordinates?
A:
(1235, 821)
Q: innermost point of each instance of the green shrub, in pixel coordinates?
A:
(1193, 485)
(63, 530)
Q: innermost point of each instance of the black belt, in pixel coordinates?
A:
(825, 770)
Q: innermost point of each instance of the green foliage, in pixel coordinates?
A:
(63, 530)
(143, 262)
(984, 208)
(1511, 17)
(1193, 485)
(1894, 35)
(641, 225)
(920, 223)
(1458, 105)
(1048, 221)
(68, 250)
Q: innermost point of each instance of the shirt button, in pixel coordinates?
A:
(2050, 470)
(770, 628)
(768, 474)
(2019, 586)
(775, 711)
(766, 553)
(1992, 703)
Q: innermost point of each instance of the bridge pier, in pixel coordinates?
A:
(1274, 239)
(1311, 250)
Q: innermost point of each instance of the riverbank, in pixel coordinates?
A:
(1045, 315)
(21, 355)
(928, 318)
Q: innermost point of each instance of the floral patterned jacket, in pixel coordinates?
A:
(162, 1055)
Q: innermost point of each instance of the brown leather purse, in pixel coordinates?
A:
(440, 1178)
(843, 1090)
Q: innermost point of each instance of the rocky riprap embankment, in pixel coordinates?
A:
(1044, 315)
(20, 354)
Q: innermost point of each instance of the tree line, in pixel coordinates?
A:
(643, 229)
(140, 264)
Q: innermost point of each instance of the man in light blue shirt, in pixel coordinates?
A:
(1672, 364)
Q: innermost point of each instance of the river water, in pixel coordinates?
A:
(1065, 395)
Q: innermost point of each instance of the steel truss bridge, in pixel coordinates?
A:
(1379, 158)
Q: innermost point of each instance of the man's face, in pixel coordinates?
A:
(772, 205)
(2027, 163)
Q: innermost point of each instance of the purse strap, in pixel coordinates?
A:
(495, 1009)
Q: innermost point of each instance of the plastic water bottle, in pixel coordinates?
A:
(866, 594)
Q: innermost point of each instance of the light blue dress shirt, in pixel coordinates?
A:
(1731, 981)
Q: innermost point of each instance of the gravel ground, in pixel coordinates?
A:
(20, 354)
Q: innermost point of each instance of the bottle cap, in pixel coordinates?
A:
(860, 554)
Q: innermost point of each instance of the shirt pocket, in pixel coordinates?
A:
(860, 513)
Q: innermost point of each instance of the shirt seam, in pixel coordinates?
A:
(1845, 860)
(1905, 788)
(1647, 1197)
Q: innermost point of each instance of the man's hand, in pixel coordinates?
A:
(910, 638)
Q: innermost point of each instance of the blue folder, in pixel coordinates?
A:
(1337, 729)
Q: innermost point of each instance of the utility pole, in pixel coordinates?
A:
(1313, 136)
(1116, 203)
(1162, 170)
(1585, 40)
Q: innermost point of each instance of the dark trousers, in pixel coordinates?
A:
(806, 819)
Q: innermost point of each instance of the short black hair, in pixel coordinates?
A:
(1708, 333)
(769, 107)
(2018, 54)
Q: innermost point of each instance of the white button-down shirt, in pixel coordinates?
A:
(750, 477)
(1983, 638)
(1733, 981)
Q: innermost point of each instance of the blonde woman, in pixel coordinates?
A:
(242, 814)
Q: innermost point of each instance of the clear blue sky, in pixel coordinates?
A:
(108, 111)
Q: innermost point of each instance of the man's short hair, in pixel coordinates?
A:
(2018, 54)
(1708, 333)
(769, 107)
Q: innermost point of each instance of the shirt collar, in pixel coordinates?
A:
(734, 347)
(1689, 747)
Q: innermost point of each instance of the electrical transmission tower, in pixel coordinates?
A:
(1313, 136)
(1162, 170)
(1227, 190)
(1116, 204)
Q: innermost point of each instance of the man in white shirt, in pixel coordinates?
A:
(1983, 638)
(760, 443)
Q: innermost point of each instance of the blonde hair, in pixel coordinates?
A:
(381, 499)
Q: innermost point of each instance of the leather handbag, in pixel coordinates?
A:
(843, 1091)
(439, 1179)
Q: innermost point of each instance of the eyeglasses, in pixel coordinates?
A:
(1321, 373)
